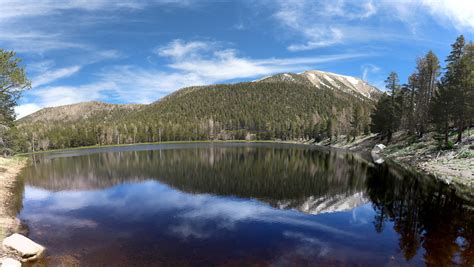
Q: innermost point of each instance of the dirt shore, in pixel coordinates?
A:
(9, 169)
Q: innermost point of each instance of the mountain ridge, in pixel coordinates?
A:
(284, 106)
(315, 77)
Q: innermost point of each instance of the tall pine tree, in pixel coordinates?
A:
(456, 82)
(386, 116)
(427, 75)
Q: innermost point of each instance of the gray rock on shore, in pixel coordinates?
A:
(24, 247)
(375, 153)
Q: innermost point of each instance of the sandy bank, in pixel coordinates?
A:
(9, 169)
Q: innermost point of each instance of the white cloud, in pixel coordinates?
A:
(63, 95)
(202, 66)
(12, 9)
(179, 49)
(25, 25)
(367, 69)
(26, 109)
(50, 76)
(327, 23)
(322, 23)
(34, 41)
(457, 13)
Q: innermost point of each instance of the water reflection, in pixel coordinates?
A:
(426, 215)
(236, 204)
(274, 173)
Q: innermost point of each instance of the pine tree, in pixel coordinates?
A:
(384, 118)
(12, 82)
(393, 118)
(469, 58)
(356, 122)
(457, 82)
(441, 109)
(427, 75)
(411, 87)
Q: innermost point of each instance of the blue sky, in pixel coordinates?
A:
(124, 51)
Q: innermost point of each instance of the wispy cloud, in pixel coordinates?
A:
(200, 63)
(34, 41)
(13, 9)
(367, 69)
(25, 25)
(54, 75)
(310, 20)
(52, 96)
(178, 49)
(44, 72)
(327, 23)
(449, 13)
(190, 63)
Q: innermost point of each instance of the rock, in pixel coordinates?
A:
(23, 246)
(9, 262)
(376, 158)
(375, 153)
(378, 148)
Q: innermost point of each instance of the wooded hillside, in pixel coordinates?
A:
(269, 109)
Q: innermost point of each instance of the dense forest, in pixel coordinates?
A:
(264, 110)
(433, 99)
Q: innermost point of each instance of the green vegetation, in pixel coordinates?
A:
(12, 82)
(427, 103)
(267, 110)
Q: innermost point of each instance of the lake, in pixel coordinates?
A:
(239, 204)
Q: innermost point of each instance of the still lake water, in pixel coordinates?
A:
(240, 205)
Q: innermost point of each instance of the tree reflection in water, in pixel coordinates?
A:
(425, 213)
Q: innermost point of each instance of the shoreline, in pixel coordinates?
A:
(454, 167)
(9, 170)
(443, 166)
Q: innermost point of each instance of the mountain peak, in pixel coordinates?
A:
(320, 79)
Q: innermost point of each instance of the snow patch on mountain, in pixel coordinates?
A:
(327, 204)
(350, 84)
(347, 84)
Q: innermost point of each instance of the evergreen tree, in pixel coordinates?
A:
(441, 109)
(456, 82)
(385, 118)
(427, 75)
(410, 106)
(393, 111)
(356, 122)
(12, 82)
(469, 58)
(392, 84)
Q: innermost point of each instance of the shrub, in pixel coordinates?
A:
(443, 146)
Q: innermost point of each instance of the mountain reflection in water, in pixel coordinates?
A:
(218, 204)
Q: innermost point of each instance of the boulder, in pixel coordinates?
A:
(23, 247)
(10, 262)
(377, 158)
(378, 148)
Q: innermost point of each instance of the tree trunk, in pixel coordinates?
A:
(389, 136)
(446, 133)
(460, 130)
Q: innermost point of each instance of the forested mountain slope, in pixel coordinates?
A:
(285, 106)
(82, 111)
